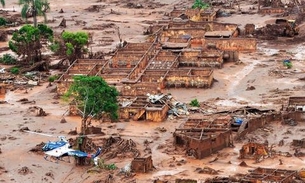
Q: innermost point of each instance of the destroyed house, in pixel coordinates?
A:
(207, 26)
(270, 175)
(225, 37)
(195, 14)
(201, 58)
(253, 150)
(202, 137)
(142, 165)
(86, 67)
(296, 103)
(139, 108)
(299, 143)
(218, 34)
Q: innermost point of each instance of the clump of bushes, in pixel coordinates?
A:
(200, 4)
(195, 103)
(8, 59)
(53, 78)
(15, 70)
(3, 21)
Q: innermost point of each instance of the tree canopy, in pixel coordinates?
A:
(2, 2)
(200, 4)
(93, 97)
(75, 44)
(34, 8)
(27, 41)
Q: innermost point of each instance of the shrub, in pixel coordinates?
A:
(55, 47)
(195, 103)
(2, 21)
(199, 4)
(287, 63)
(8, 59)
(52, 78)
(15, 70)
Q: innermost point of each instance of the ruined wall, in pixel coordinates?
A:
(142, 165)
(216, 144)
(206, 58)
(271, 10)
(190, 78)
(298, 116)
(140, 89)
(232, 44)
(255, 123)
(207, 26)
(209, 144)
(156, 115)
(179, 33)
(128, 112)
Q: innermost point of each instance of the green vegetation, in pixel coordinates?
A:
(2, 2)
(8, 59)
(287, 64)
(195, 103)
(3, 21)
(27, 41)
(199, 4)
(15, 70)
(53, 78)
(54, 47)
(103, 165)
(94, 98)
(34, 8)
(75, 44)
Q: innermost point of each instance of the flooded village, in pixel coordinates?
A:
(210, 95)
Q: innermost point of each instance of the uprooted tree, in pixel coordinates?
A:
(73, 44)
(28, 41)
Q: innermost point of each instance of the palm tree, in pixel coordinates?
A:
(34, 8)
(2, 2)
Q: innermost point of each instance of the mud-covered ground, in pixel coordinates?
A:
(262, 71)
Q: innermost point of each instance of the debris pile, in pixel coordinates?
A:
(118, 147)
(95, 8)
(221, 179)
(24, 171)
(38, 148)
(26, 101)
(270, 31)
(37, 111)
(3, 35)
(176, 108)
(2, 170)
(207, 170)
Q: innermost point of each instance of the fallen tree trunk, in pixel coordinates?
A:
(40, 66)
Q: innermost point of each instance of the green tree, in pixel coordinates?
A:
(199, 4)
(75, 44)
(2, 2)
(34, 8)
(27, 41)
(94, 98)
